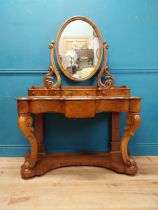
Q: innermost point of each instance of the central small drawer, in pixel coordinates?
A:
(79, 91)
(79, 109)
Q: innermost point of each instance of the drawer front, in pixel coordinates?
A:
(79, 109)
(36, 92)
(78, 92)
(113, 92)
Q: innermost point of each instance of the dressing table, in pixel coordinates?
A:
(79, 51)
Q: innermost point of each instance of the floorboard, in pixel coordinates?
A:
(79, 188)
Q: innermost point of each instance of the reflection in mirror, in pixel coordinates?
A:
(79, 49)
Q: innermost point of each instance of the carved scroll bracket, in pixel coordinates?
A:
(109, 79)
(25, 125)
(48, 78)
(132, 124)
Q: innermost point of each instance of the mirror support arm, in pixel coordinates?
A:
(48, 78)
(109, 79)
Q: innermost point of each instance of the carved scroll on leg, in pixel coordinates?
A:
(132, 124)
(25, 124)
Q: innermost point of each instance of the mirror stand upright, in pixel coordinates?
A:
(79, 52)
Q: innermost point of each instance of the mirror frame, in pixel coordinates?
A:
(90, 22)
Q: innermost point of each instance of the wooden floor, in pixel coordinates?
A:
(79, 188)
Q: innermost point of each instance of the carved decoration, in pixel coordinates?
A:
(48, 78)
(132, 124)
(25, 124)
(78, 102)
(109, 79)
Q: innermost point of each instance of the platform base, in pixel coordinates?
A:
(47, 162)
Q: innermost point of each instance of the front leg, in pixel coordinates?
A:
(132, 124)
(25, 124)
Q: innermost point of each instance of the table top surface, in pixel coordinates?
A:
(73, 98)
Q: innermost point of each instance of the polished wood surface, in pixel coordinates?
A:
(47, 162)
(73, 102)
(80, 188)
(78, 102)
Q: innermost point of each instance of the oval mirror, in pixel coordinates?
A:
(79, 48)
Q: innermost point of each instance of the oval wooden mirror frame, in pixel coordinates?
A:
(91, 23)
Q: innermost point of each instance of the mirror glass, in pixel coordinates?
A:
(78, 50)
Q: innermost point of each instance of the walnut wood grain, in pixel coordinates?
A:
(132, 124)
(78, 102)
(115, 143)
(80, 91)
(39, 133)
(50, 161)
(109, 79)
(74, 107)
(48, 78)
(25, 125)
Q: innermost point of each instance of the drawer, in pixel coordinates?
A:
(78, 92)
(114, 91)
(46, 92)
(79, 109)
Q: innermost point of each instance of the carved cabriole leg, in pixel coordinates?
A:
(25, 124)
(132, 124)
